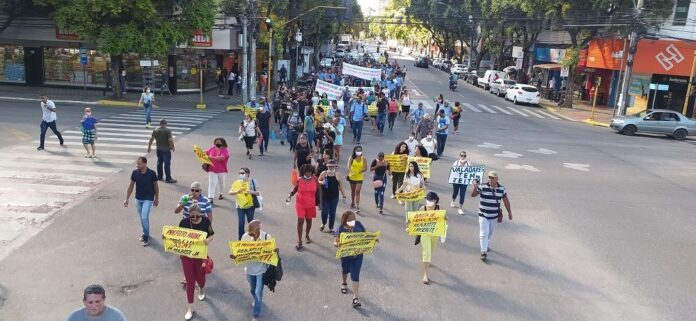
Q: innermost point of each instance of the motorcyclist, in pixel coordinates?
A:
(453, 80)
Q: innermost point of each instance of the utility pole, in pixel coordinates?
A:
(633, 44)
(252, 68)
(245, 58)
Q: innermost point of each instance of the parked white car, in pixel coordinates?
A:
(500, 86)
(524, 94)
(437, 62)
(459, 69)
(490, 75)
(340, 53)
(326, 62)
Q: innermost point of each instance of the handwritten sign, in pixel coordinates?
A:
(261, 251)
(361, 72)
(466, 174)
(357, 243)
(423, 164)
(397, 163)
(201, 155)
(430, 223)
(251, 111)
(415, 195)
(184, 241)
(372, 109)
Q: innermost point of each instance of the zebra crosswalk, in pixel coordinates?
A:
(36, 185)
(500, 110)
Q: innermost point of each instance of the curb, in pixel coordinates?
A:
(54, 100)
(234, 107)
(595, 123)
(118, 103)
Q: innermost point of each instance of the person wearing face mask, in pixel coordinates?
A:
(305, 204)
(411, 142)
(244, 188)
(379, 180)
(413, 180)
(147, 98)
(428, 243)
(193, 268)
(442, 124)
(254, 270)
(350, 264)
(357, 165)
(459, 188)
(217, 172)
(89, 132)
(249, 130)
(398, 178)
(430, 146)
(263, 118)
(330, 181)
(187, 200)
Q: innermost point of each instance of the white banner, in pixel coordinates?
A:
(361, 72)
(466, 174)
(333, 92)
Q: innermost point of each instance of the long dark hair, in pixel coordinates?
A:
(355, 149)
(416, 170)
(222, 140)
(397, 149)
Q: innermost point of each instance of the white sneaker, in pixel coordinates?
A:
(460, 211)
(453, 204)
(392, 197)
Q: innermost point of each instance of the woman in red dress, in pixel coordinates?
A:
(305, 203)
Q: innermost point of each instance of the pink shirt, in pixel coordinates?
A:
(219, 166)
(306, 191)
(393, 106)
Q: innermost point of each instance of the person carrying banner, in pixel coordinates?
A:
(459, 188)
(490, 213)
(398, 178)
(350, 264)
(244, 189)
(428, 243)
(357, 166)
(413, 180)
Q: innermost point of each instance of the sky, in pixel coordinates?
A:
(365, 5)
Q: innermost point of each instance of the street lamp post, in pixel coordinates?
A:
(471, 43)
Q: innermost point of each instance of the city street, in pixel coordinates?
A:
(603, 223)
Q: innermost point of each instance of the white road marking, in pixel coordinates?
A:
(60, 177)
(426, 104)
(122, 123)
(533, 113)
(67, 167)
(471, 107)
(101, 130)
(502, 110)
(101, 139)
(524, 167)
(509, 154)
(56, 147)
(101, 133)
(136, 118)
(7, 185)
(484, 107)
(68, 151)
(547, 114)
(183, 112)
(169, 118)
(564, 117)
(518, 112)
(543, 151)
(71, 158)
(490, 145)
(577, 167)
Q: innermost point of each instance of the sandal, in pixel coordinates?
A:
(344, 288)
(321, 229)
(298, 246)
(356, 303)
(308, 240)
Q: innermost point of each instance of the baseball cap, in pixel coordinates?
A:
(493, 174)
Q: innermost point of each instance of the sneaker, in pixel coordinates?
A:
(39, 148)
(93, 156)
(171, 181)
(88, 156)
(460, 211)
(146, 241)
(142, 238)
(484, 256)
(453, 204)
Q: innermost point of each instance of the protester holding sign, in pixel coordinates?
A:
(245, 190)
(459, 188)
(379, 180)
(217, 172)
(398, 175)
(357, 165)
(428, 243)
(193, 268)
(350, 264)
(413, 180)
(254, 270)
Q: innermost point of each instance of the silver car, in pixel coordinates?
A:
(657, 121)
(500, 86)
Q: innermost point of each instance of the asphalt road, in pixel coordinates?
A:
(602, 230)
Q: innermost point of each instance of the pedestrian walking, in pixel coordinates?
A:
(393, 112)
(89, 132)
(245, 190)
(309, 126)
(382, 106)
(413, 180)
(490, 213)
(263, 116)
(305, 203)
(459, 189)
(249, 130)
(108, 82)
(164, 142)
(358, 112)
(379, 167)
(430, 145)
(456, 116)
(405, 102)
(283, 72)
(122, 79)
(193, 268)
(432, 203)
(330, 181)
(254, 270)
(196, 196)
(94, 299)
(295, 126)
(424, 126)
(146, 195)
(303, 153)
(231, 83)
(398, 178)
(412, 143)
(217, 171)
(442, 122)
(350, 264)
(339, 127)
(357, 166)
(147, 98)
(48, 120)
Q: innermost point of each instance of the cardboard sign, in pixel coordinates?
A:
(397, 163)
(261, 251)
(251, 111)
(430, 223)
(372, 109)
(201, 155)
(333, 92)
(423, 164)
(361, 72)
(352, 244)
(466, 174)
(184, 241)
(415, 195)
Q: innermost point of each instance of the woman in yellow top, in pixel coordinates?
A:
(319, 120)
(427, 242)
(244, 189)
(357, 165)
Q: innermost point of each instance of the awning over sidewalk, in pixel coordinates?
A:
(548, 66)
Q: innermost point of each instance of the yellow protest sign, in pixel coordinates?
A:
(372, 109)
(415, 195)
(185, 241)
(261, 251)
(397, 163)
(357, 243)
(430, 223)
(244, 200)
(251, 111)
(423, 164)
(201, 155)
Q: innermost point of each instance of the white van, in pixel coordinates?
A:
(490, 76)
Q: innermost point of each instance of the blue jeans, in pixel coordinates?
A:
(256, 289)
(243, 213)
(148, 112)
(143, 207)
(357, 130)
(461, 190)
(379, 192)
(381, 117)
(310, 137)
(328, 211)
(292, 139)
(44, 128)
(441, 140)
(164, 159)
(263, 147)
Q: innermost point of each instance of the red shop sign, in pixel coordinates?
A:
(202, 39)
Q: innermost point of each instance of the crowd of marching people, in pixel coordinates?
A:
(313, 125)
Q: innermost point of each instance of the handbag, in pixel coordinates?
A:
(500, 210)
(254, 198)
(208, 265)
(205, 167)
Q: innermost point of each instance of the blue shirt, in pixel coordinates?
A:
(441, 123)
(203, 203)
(357, 228)
(418, 114)
(358, 109)
(89, 122)
(144, 184)
(399, 81)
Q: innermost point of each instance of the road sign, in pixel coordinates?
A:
(83, 56)
(565, 71)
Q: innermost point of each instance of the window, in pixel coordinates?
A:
(681, 12)
(11, 63)
(529, 89)
(670, 117)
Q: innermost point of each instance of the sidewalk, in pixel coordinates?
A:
(582, 111)
(94, 97)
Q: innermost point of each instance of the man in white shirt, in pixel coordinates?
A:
(48, 109)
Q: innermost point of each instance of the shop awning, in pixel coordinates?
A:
(548, 66)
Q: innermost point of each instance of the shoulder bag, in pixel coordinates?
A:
(254, 198)
(497, 201)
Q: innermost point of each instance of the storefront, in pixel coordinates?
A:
(12, 64)
(604, 61)
(62, 66)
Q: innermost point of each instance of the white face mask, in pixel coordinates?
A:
(351, 223)
(430, 136)
(147, 91)
(429, 203)
(332, 170)
(411, 138)
(242, 176)
(358, 153)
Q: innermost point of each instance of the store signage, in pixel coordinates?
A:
(669, 56)
(565, 71)
(83, 56)
(66, 34)
(202, 39)
(659, 87)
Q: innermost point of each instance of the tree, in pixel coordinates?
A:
(148, 27)
(12, 9)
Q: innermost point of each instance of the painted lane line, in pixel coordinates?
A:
(101, 133)
(120, 123)
(501, 109)
(533, 114)
(172, 118)
(490, 145)
(68, 152)
(565, 117)
(54, 177)
(509, 154)
(484, 107)
(101, 129)
(6, 185)
(72, 158)
(127, 140)
(55, 144)
(577, 167)
(67, 167)
(182, 112)
(471, 107)
(518, 112)
(136, 119)
(529, 168)
(547, 114)
(543, 151)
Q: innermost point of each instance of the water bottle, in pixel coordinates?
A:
(185, 199)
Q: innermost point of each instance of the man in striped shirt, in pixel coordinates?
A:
(489, 208)
(205, 204)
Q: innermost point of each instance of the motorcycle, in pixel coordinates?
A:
(452, 85)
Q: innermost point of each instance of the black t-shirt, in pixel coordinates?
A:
(204, 225)
(264, 120)
(381, 171)
(321, 166)
(144, 184)
(302, 153)
(382, 105)
(301, 107)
